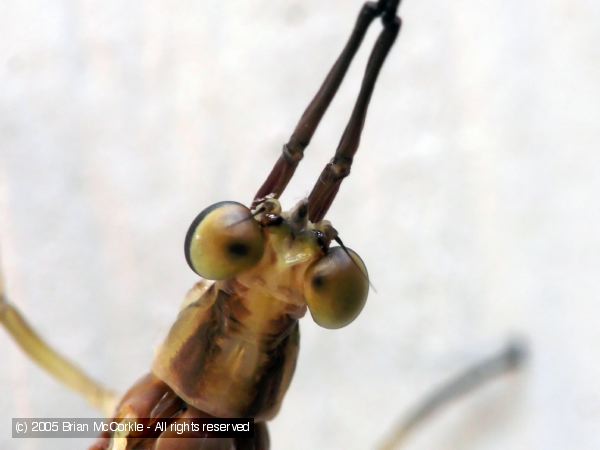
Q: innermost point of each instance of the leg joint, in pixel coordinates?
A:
(388, 10)
(339, 168)
(370, 9)
(293, 154)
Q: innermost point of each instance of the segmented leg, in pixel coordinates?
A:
(293, 151)
(49, 359)
(150, 398)
(331, 178)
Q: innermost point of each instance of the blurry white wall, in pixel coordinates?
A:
(473, 201)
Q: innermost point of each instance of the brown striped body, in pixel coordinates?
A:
(232, 351)
(151, 399)
(215, 361)
(233, 348)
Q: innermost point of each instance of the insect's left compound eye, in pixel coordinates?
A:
(336, 288)
(223, 241)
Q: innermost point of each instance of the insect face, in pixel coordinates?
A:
(281, 254)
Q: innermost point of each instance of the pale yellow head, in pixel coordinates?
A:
(282, 254)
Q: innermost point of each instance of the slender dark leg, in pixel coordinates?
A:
(293, 151)
(512, 357)
(338, 168)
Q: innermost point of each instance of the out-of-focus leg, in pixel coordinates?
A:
(49, 359)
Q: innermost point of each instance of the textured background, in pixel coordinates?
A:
(473, 201)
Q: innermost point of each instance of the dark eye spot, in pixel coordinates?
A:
(238, 249)
(318, 282)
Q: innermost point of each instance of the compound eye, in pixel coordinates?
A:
(336, 288)
(223, 241)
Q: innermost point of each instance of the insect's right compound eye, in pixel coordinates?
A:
(223, 241)
(336, 288)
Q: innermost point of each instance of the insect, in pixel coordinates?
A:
(321, 198)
